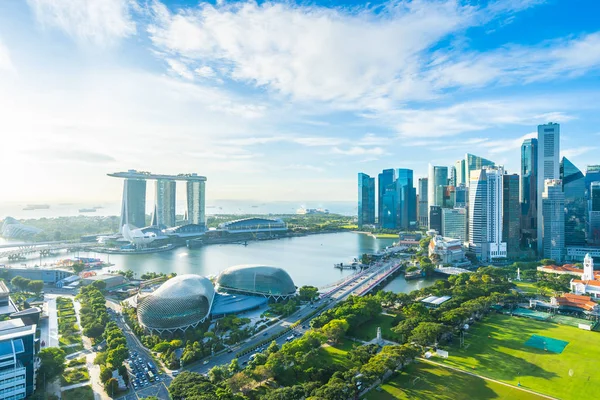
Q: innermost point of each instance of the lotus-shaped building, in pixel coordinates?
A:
(180, 303)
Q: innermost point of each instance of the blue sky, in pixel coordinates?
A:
(284, 100)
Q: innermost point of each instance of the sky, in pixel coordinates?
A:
(277, 101)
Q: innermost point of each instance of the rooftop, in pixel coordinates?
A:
(435, 300)
(3, 288)
(144, 175)
(13, 328)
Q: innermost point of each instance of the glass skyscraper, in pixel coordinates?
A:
(435, 218)
(454, 223)
(164, 208)
(511, 211)
(133, 207)
(474, 163)
(423, 209)
(407, 199)
(366, 200)
(528, 195)
(436, 181)
(196, 211)
(548, 167)
(594, 213)
(553, 220)
(385, 179)
(390, 208)
(573, 183)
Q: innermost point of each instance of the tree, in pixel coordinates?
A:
(95, 330)
(78, 267)
(162, 347)
(35, 286)
(117, 356)
(100, 285)
(217, 374)
(335, 329)
(308, 293)
(234, 366)
(112, 386)
(426, 333)
(548, 261)
(52, 362)
(273, 348)
(105, 374)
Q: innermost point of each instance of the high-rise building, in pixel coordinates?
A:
(407, 199)
(594, 214)
(385, 179)
(461, 179)
(474, 163)
(133, 206)
(453, 177)
(423, 209)
(164, 207)
(548, 167)
(553, 220)
(573, 183)
(528, 194)
(592, 174)
(390, 208)
(485, 213)
(196, 201)
(454, 223)
(366, 200)
(18, 371)
(435, 218)
(461, 196)
(437, 180)
(511, 213)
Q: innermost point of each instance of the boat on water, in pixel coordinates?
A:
(87, 210)
(30, 207)
(414, 275)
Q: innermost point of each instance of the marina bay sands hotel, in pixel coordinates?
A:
(133, 208)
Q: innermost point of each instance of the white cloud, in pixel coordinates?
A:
(577, 151)
(358, 150)
(98, 21)
(504, 145)
(205, 72)
(5, 61)
(180, 69)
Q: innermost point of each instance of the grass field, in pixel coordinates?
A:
(426, 381)
(337, 354)
(368, 330)
(81, 393)
(496, 348)
(527, 287)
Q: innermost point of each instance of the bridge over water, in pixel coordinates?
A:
(14, 252)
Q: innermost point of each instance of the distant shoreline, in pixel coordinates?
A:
(379, 235)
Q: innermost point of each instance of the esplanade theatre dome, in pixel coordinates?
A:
(256, 280)
(178, 304)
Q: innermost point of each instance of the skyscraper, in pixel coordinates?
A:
(528, 195)
(164, 207)
(133, 206)
(196, 197)
(366, 200)
(461, 179)
(511, 211)
(385, 179)
(461, 196)
(594, 214)
(474, 163)
(453, 177)
(454, 223)
(592, 174)
(553, 220)
(423, 208)
(437, 180)
(485, 213)
(573, 183)
(435, 218)
(407, 199)
(390, 208)
(548, 167)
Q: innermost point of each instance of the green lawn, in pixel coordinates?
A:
(527, 287)
(368, 330)
(337, 354)
(426, 381)
(81, 393)
(495, 348)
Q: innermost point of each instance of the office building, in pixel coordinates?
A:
(390, 208)
(384, 180)
(548, 167)
(164, 207)
(436, 181)
(592, 174)
(406, 217)
(196, 202)
(454, 223)
(133, 206)
(460, 178)
(573, 183)
(435, 218)
(452, 180)
(474, 163)
(423, 209)
(594, 214)
(133, 209)
(485, 214)
(366, 200)
(528, 194)
(511, 212)
(553, 220)
(17, 359)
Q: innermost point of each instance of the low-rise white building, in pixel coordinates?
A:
(588, 283)
(449, 250)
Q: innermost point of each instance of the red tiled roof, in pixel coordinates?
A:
(564, 268)
(589, 283)
(576, 300)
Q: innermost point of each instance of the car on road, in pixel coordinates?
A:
(175, 373)
(205, 362)
(265, 334)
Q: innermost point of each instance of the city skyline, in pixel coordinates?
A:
(86, 88)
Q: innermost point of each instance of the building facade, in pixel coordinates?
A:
(436, 181)
(594, 214)
(165, 200)
(485, 214)
(18, 359)
(435, 218)
(406, 217)
(450, 250)
(423, 205)
(553, 220)
(196, 202)
(575, 207)
(384, 180)
(528, 194)
(454, 223)
(511, 212)
(133, 206)
(366, 200)
(548, 167)
(474, 163)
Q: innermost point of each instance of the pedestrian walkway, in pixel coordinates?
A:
(52, 323)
